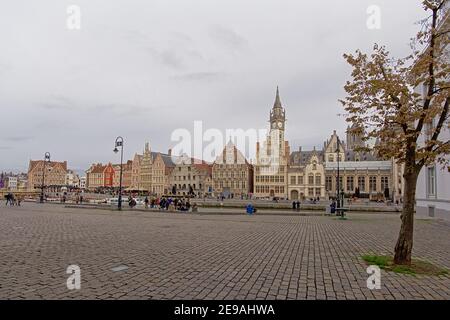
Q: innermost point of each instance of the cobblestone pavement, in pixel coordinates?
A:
(185, 256)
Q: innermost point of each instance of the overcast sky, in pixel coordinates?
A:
(143, 68)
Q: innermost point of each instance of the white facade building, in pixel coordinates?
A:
(72, 179)
(82, 183)
(433, 184)
(12, 183)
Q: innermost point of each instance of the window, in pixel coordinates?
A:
(330, 158)
(328, 183)
(314, 166)
(318, 179)
(293, 180)
(300, 179)
(362, 184)
(350, 184)
(431, 181)
(311, 179)
(373, 184)
(311, 192)
(384, 183)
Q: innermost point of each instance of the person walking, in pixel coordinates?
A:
(146, 202)
(8, 198)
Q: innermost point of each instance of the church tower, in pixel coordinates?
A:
(277, 114)
(272, 157)
(146, 168)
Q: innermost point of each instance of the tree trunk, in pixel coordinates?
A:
(404, 244)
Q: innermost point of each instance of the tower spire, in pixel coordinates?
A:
(277, 103)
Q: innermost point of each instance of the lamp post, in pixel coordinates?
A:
(119, 143)
(338, 188)
(46, 159)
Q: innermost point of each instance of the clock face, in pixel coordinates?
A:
(280, 125)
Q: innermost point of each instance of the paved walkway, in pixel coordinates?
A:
(178, 256)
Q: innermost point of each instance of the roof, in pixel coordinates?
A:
(302, 158)
(204, 167)
(51, 164)
(230, 155)
(277, 103)
(168, 160)
(350, 155)
(97, 168)
(359, 165)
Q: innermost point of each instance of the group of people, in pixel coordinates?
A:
(170, 204)
(296, 205)
(12, 200)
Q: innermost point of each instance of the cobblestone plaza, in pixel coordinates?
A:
(153, 255)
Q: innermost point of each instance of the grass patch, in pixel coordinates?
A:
(417, 266)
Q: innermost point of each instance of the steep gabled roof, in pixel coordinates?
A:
(303, 158)
(51, 164)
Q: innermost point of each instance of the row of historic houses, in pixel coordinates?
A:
(276, 172)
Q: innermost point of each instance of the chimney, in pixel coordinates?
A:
(169, 152)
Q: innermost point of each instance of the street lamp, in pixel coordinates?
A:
(46, 159)
(338, 188)
(119, 143)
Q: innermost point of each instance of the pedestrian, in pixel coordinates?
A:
(8, 198)
(146, 202)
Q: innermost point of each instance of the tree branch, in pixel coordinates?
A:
(395, 98)
(440, 89)
(431, 82)
(437, 130)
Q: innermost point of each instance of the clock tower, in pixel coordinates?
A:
(277, 115)
(272, 157)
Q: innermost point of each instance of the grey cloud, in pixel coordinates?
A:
(228, 37)
(17, 138)
(200, 76)
(121, 109)
(172, 59)
(57, 102)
